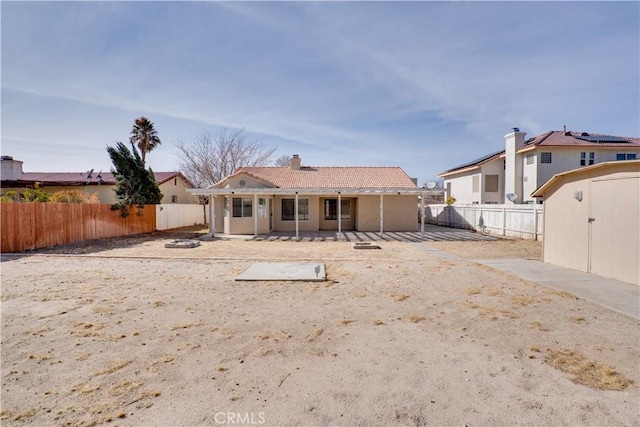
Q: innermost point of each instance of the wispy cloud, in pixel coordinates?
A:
(418, 84)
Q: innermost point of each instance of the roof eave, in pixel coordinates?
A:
(310, 191)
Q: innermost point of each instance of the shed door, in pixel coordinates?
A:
(614, 246)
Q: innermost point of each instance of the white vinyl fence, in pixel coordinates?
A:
(523, 221)
(170, 216)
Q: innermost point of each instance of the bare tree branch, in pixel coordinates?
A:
(283, 160)
(213, 156)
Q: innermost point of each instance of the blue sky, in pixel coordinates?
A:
(421, 85)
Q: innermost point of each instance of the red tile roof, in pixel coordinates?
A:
(328, 177)
(81, 178)
(579, 139)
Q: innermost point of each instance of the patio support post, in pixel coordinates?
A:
(339, 214)
(381, 215)
(422, 214)
(255, 215)
(212, 215)
(296, 214)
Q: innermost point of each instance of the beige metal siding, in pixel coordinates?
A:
(615, 231)
(566, 231)
(608, 246)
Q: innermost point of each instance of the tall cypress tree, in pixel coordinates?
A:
(135, 185)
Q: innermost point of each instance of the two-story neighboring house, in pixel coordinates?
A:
(513, 174)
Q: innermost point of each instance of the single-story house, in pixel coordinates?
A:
(173, 185)
(592, 219)
(258, 200)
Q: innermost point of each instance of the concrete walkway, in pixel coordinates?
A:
(616, 295)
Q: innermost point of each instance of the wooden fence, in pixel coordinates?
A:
(37, 225)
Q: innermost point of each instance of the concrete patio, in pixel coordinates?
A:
(432, 233)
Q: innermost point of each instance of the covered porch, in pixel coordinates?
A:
(260, 211)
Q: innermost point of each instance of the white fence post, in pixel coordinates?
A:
(502, 220)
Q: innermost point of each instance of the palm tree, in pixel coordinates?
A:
(145, 136)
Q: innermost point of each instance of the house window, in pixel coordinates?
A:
(626, 156)
(530, 158)
(288, 209)
(475, 184)
(242, 207)
(583, 158)
(174, 199)
(545, 157)
(225, 207)
(262, 207)
(491, 183)
(331, 209)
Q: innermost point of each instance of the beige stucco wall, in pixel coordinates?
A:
(106, 192)
(346, 224)
(495, 167)
(400, 213)
(226, 223)
(176, 187)
(462, 187)
(309, 225)
(563, 159)
(610, 245)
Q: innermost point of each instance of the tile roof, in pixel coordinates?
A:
(328, 177)
(560, 138)
(80, 178)
(581, 139)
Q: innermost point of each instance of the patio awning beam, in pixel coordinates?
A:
(346, 192)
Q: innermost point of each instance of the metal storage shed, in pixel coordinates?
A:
(592, 220)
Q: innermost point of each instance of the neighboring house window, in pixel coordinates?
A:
(331, 209)
(288, 209)
(491, 183)
(491, 203)
(530, 159)
(174, 199)
(626, 156)
(262, 207)
(583, 158)
(475, 184)
(545, 157)
(242, 207)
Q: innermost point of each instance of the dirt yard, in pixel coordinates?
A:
(126, 332)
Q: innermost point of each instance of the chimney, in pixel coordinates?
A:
(11, 169)
(295, 162)
(514, 141)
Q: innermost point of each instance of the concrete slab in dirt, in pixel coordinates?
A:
(298, 271)
(182, 244)
(619, 296)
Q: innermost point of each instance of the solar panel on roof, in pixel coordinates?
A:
(602, 138)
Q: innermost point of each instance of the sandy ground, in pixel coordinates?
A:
(126, 332)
